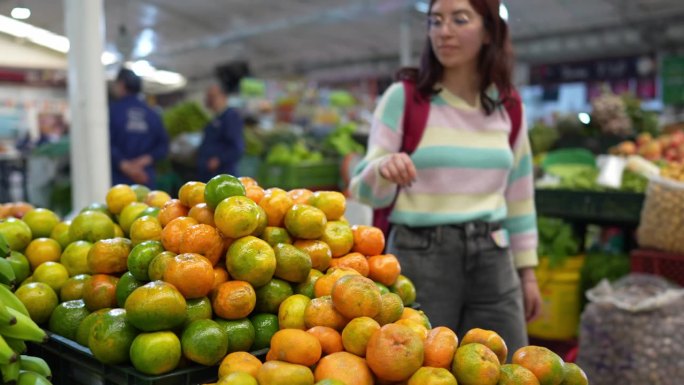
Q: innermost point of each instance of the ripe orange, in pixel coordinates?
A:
(157, 266)
(488, 338)
(191, 274)
(204, 240)
(333, 203)
(156, 306)
(202, 214)
(109, 256)
(324, 285)
(357, 333)
(368, 240)
(354, 261)
(318, 251)
(405, 289)
(546, 365)
(296, 347)
(574, 375)
(255, 193)
(171, 210)
(119, 197)
(157, 198)
(394, 353)
(236, 217)
(99, 292)
(220, 276)
(172, 234)
(248, 181)
(384, 269)
(300, 195)
(276, 203)
(440, 347)
(234, 300)
(321, 312)
(191, 193)
(307, 287)
(476, 364)
(345, 367)
(339, 237)
(239, 362)
(41, 222)
(356, 296)
(420, 329)
(330, 339)
(42, 250)
(284, 373)
(417, 316)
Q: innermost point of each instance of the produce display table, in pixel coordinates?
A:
(591, 207)
(74, 364)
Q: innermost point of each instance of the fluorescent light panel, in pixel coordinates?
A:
(21, 13)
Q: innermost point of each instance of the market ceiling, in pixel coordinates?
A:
(311, 37)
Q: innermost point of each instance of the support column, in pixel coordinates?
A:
(405, 54)
(89, 132)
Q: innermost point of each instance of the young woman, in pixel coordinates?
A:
(463, 223)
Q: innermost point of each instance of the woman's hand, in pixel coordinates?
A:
(399, 168)
(531, 294)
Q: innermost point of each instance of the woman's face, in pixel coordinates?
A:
(456, 32)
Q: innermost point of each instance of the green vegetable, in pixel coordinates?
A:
(185, 117)
(556, 240)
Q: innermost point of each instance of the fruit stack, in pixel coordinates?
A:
(229, 268)
(16, 327)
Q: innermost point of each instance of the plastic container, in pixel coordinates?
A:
(664, 264)
(73, 364)
(662, 219)
(560, 291)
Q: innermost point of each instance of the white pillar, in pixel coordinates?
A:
(90, 160)
(405, 39)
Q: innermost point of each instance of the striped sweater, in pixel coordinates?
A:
(466, 168)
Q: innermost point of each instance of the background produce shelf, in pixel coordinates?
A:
(74, 364)
(600, 208)
(319, 175)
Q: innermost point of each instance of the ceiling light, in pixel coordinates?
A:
(503, 11)
(109, 58)
(143, 68)
(169, 78)
(584, 118)
(21, 13)
(422, 7)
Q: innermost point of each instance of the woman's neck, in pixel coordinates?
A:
(464, 83)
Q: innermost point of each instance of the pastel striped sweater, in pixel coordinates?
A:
(467, 170)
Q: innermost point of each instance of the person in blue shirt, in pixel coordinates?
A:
(223, 143)
(136, 133)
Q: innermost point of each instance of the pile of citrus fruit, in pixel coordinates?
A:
(230, 268)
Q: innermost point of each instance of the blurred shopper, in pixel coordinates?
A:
(463, 220)
(223, 143)
(136, 133)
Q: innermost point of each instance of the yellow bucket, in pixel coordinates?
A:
(559, 286)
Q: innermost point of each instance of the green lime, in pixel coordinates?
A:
(151, 211)
(220, 187)
(20, 264)
(275, 235)
(198, 308)
(140, 257)
(204, 342)
(66, 318)
(241, 334)
(126, 285)
(307, 287)
(141, 191)
(83, 331)
(271, 295)
(383, 289)
(265, 326)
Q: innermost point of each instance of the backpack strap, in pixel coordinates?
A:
(513, 106)
(416, 111)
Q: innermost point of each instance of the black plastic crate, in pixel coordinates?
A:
(74, 364)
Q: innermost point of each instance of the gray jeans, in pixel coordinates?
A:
(464, 280)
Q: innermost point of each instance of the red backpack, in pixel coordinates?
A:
(416, 110)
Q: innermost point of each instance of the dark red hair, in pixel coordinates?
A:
(495, 61)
